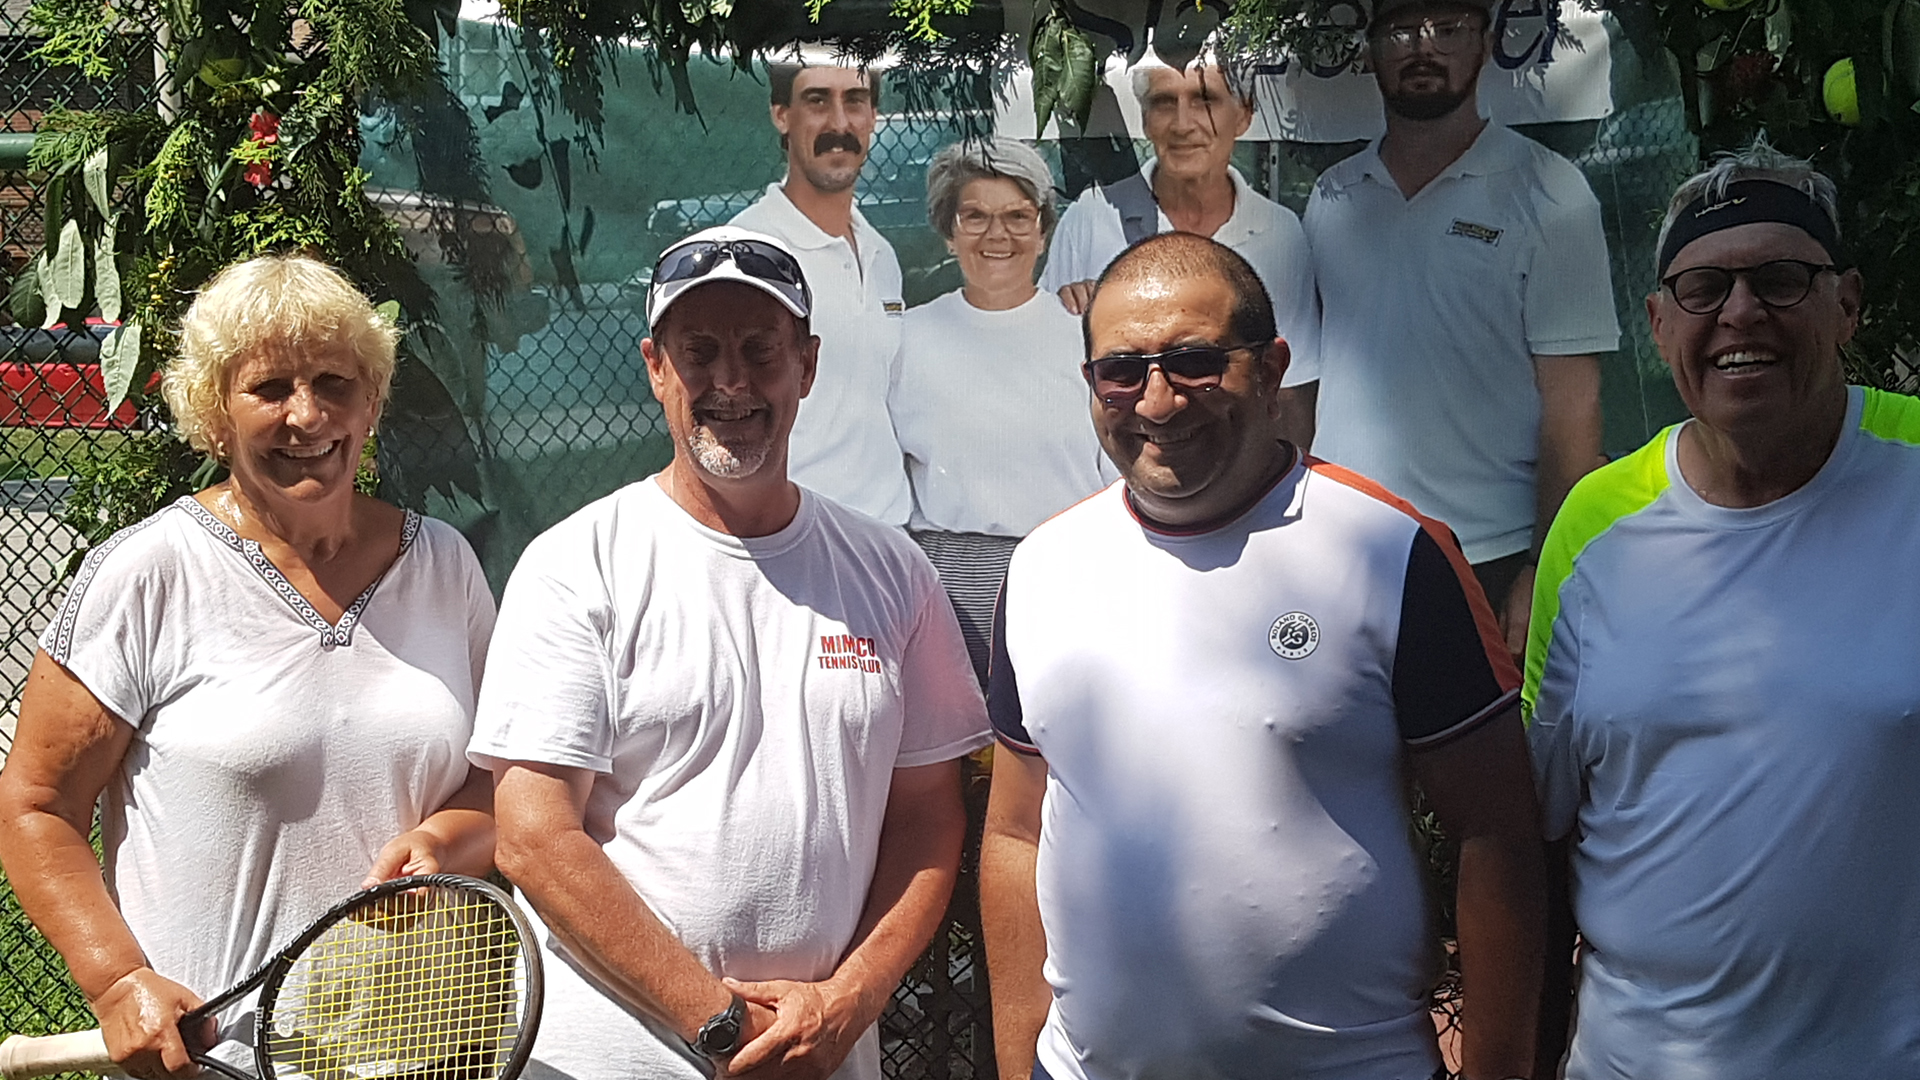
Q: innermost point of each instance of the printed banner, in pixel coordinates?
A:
(1549, 64)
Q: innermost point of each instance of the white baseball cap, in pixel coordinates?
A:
(726, 253)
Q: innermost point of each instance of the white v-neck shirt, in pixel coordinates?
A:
(273, 755)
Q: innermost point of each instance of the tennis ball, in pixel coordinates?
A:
(1841, 93)
(1726, 5)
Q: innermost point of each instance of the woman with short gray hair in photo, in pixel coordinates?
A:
(989, 406)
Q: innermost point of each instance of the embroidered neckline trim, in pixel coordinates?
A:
(331, 634)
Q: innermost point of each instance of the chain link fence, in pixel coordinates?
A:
(53, 421)
(537, 403)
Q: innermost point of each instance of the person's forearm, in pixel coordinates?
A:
(464, 828)
(56, 876)
(596, 913)
(1570, 433)
(913, 877)
(1501, 936)
(1561, 466)
(1016, 949)
(1556, 984)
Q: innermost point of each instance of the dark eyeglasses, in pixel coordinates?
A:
(1121, 378)
(1782, 283)
(753, 257)
(1446, 37)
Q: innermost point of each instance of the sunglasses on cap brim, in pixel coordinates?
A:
(754, 258)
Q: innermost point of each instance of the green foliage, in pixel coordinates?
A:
(255, 148)
(1760, 68)
(112, 491)
(576, 39)
(1065, 70)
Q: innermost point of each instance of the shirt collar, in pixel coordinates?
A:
(1247, 218)
(799, 230)
(1484, 157)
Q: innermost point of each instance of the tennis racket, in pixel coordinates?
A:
(434, 977)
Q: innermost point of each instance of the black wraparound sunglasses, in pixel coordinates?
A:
(1120, 378)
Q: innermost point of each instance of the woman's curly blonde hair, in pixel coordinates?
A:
(285, 301)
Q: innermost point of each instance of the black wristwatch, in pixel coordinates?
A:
(720, 1035)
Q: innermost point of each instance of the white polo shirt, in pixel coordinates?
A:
(1265, 233)
(842, 444)
(1726, 720)
(1432, 309)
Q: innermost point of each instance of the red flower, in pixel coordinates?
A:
(264, 130)
(265, 127)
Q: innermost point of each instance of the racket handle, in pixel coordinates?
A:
(26, 1056)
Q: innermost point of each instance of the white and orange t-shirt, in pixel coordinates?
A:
(1226, 874)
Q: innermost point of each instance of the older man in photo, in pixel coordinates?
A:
(1193, 116)
(725, 723)
(1722, 679)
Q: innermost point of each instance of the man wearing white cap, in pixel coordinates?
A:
(725, 721)
(843, 442)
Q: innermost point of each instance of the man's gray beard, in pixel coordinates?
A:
(721, 460)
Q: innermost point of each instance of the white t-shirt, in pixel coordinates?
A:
(1226, 874)
(744, 702)
(1726, 718)
(842, 443)
(273, 756)
(992, 413)
(1432, 311)
(1265, 233)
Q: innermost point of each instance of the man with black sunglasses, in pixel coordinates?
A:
(843, 444)
(725, 719)
(1210, 683)
(1722, 675)
(1465, 294)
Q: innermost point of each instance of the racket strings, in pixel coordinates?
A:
(423, 985)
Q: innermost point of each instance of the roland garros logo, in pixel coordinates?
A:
(845, 652)
(1294, 635)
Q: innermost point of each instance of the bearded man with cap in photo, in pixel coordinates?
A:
(1465, 293)
(1725, 703)
(725, 716)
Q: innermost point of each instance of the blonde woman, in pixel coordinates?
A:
(267, 687)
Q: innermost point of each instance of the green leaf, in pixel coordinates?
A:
(1078, 77)
(119, 357)
(388, 310)
(106, 277)
(1902, 43)
(1779, 30)
(67, 267)
(1047, 54)
(24, 301)
(96, 175)
(43, 272)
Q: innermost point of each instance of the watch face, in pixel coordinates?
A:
(720, 1035)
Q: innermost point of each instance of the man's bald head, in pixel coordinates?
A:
(1178, 255)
